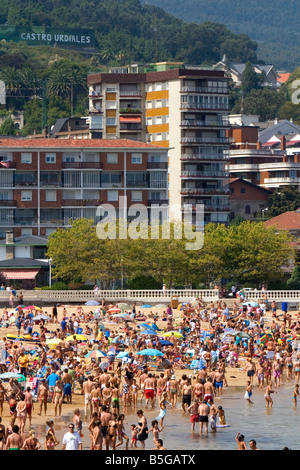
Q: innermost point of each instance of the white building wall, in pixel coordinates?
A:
(175, 150)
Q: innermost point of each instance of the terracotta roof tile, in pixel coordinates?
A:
(286, 221)
(76, 143)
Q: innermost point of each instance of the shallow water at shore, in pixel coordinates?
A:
(272, 428)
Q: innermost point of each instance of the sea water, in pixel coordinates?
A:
(272, 428)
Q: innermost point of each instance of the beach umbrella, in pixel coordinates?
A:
(115, 340)
(164, 342)
(104, 365)
(148, 332)
(10, 375)
(241, 334)
(92, 302)
(265, 338)
(181, 306)
(19, 307)
(173, 333)
(77, 336)
(252, 304)
(160, 306)
(120, 315)
(52, 343)
(41, 317)
(95, 354)
(146, 306)
(150, 352)
(153, 326)
(123, 306)
(122, 354)
(114, 310)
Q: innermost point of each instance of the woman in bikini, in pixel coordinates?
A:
(121, 432)
(21, 413)
(12, 409)
(112, 432)
(267, 395)
(31, 443)
(58, 397)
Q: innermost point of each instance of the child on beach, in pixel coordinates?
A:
(163, 408)
(155, 431)
(221, 415)
(240, 439)
(248, 392)
(134, 432)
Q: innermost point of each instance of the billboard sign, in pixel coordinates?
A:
(39, 35)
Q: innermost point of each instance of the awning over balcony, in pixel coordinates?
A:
(19, 274)
(130, 119)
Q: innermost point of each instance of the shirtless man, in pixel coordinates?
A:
(106, 394)
(87, 387)
(105, 418)
(251, 369)
(186, 394)
(42, 396)
(143, 377)
(213, 413)
(208, 390)
(14, 440)
(2, 397)
(29, 403)
(203, 411)
(161, 384)
(149, 391)
(67, 382)
(104, 378)
(219, 377)
(193, 409)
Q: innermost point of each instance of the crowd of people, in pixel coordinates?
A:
(97, 356)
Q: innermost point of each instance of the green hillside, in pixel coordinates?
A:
(274, 24)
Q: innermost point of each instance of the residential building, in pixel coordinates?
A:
(248, 200)
(183, 109)
(47, 183)
(235, 71)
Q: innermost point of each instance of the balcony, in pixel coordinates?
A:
(130, 127)
(96, 94)
(205, 140)
(23, 222)
(94, 110)
(80, 165)
(7, 164)
(213, 208)
(196, 191)
(157, 201)
(195, 123)
(128, 111)
(81, 202)
(282, 181)
(157, 165)
(206, 106)
(130, 94)
(197, 157)
(197, 89)
(204, 174)
(8, 203)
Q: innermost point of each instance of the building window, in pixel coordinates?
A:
(26, 231)
(26, 158)
(247, 209)
(26, 195)
(50, 195)
(136, 196)
(50, 158)
(112, 196)
(112, 158)
(243, 190)
(111, 121)
(136, 159)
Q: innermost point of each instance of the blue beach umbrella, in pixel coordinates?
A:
(150, 352)
(122, 354)
(148, 332)
(92, 302)
(146, 306)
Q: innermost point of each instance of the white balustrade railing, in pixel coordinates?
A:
(277, 295)
(146, 296)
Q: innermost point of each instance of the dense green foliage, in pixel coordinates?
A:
(283, 200)
(274, 24)
(248, 252)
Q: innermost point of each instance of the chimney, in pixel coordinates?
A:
(283, 143)
(258, 145)
(9, 242)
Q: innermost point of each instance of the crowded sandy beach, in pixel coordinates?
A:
(97, 364)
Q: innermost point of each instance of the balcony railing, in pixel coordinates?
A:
(199, 157)
(157, 201)
(207, 106)
(7, 164)
(130, 111)
(157, 165)
(8, 203)
(196, 89)
(81, 202)
(127, 94)
(195, 123)
(195, 191)
(204, 174)
(130, 127)
(95, 110)
(88, 165)
(205, 140)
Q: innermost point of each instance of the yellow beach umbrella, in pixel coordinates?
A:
(52, 343)
(173, 333)
(76, 336)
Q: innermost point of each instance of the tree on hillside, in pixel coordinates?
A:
(283, 200)
(250, 79)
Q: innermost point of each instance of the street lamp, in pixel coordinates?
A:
(50, 274)
(263, 212)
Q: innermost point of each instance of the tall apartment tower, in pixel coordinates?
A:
(183, 109)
